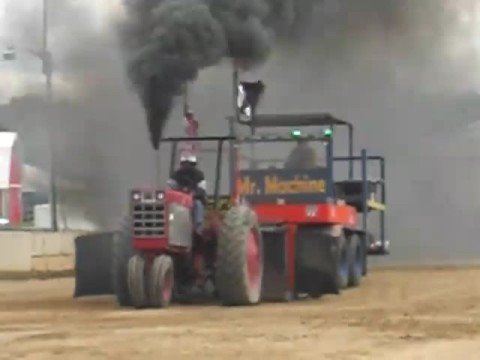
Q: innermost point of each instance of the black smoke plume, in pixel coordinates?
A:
(167, 42)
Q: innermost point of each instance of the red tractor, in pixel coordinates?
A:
(280, 228)
(276, 233)
(158, 256)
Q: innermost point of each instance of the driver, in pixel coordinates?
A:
(189, 177)
(302, 157)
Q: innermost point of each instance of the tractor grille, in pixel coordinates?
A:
(148, 216)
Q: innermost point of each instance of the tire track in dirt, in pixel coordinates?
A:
(396, 314)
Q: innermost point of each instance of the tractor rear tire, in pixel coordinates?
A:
(136, 281)
(161, 282)
(365, 245)
(239, 269)
(355, 261)
(342, 264)
(365, 265)
(122, 252)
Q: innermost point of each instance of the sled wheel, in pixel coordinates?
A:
(342, 263)
(355, 261)
(365, 244)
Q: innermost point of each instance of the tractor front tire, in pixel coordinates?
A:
(161, 281)
(136, 281)
(122, 252)
(239, 269)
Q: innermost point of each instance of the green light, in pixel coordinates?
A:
(296, 133)
(328, 132)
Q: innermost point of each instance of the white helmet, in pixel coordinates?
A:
(188, 158)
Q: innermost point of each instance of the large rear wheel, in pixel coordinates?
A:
(239, 270)
(161, 281)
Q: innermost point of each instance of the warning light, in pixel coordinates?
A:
(296, 133)
(328, 132)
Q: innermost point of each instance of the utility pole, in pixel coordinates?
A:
(48, 72)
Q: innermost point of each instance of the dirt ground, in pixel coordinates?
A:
(396, 314)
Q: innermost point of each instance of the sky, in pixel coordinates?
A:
(25, 72)
(462, 47)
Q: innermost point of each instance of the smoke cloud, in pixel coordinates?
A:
(168, 42)
(95, 122)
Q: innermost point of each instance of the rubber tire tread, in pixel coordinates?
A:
(122, 252)
(341, 281)
(354, 246)
(136, 281)
(231, 276)
(160, 266)
(364, 239)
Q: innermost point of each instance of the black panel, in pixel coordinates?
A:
(275, 280)
(93, 264)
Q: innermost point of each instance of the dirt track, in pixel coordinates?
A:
(396, 314)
